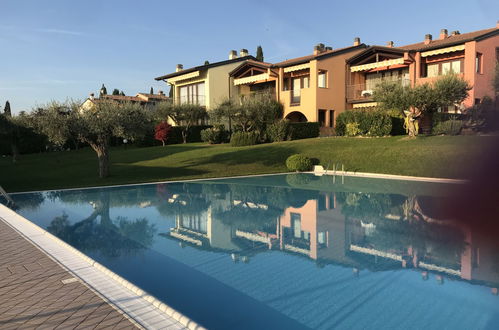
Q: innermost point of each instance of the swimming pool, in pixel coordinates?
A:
(285, 251)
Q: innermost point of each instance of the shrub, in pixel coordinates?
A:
(278, 131)
(368, 122)
(449, 127)
(299, 163)
(214, 135)
(307, 130)
(239, 139)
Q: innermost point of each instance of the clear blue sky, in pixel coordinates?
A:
(58, 49)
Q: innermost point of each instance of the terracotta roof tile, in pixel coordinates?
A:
(308, 58)
(460, 38)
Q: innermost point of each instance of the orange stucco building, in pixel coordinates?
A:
(472, 55)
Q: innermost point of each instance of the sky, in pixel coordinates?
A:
(66, 49)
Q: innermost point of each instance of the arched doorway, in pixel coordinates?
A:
(296, 117)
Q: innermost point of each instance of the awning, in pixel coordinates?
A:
(184, 77)
(365, 105)
(251, 79)
(442, 51)
(375, 65)
(297, 67)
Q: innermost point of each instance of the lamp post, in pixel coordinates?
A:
(125, 141)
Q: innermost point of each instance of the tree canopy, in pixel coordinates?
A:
(259, 53)
(185, 115)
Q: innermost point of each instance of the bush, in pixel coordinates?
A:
(240, 139)
(215, 135)
(369, 123)
(449, 127)
(194, 134)
(352, 129)
(278, 131)
(299, 163)
(299, 131)
(397, 126)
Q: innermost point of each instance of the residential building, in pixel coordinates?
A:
(145, 99)
(207, 85)
(471, 55)
(311, 88)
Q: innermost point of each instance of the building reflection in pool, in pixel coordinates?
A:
(373, 231)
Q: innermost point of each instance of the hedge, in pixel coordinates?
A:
(307, 130)
(240, 139)
(370, 123)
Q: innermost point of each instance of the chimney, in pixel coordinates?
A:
(389, 44)
(443, 34)
(160, 93)
(179, 67)
(243, 52)
(92, 96)
(427, 39)
(455, 33)
(232, 54)
(356, 41)
(319, 48)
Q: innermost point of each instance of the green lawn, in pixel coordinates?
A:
(440, 156)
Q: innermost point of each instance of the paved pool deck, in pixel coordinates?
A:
(47, 284)
(36, 292)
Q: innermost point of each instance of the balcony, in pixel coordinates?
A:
(364, 92)
(192, 99)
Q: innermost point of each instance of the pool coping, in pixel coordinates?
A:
(318, 171)
(142, 308)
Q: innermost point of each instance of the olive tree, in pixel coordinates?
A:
(96, 126)
(249, 113)
(185, 115)
(423, 99)
(9, 130)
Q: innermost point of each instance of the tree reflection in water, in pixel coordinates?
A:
(100, 233)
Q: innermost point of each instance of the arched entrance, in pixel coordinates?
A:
(296, 117)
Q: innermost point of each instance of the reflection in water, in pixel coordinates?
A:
(98, 232)
(297, 250)
(375, 231)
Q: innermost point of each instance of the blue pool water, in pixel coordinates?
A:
(286, 251)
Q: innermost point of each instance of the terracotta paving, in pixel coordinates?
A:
(34, 296)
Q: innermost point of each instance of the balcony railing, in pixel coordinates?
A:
(360, 92)
(192, 99)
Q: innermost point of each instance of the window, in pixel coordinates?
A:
(331, 118)
(296, 221)
(442, 68)
(322, 117)
(321, 79)
(478, 63)
(306, 82)
(321, 237)
(193, 93)
(296, 92)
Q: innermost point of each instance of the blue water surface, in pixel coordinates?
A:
(286, 251)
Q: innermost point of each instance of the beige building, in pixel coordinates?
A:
(207, 85)
(145, 99)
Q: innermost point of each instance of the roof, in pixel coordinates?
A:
(153, 96)
(263, 65)
(375, 49)
(121, 98)
(206, 66)
(452, 40)
(325, 54)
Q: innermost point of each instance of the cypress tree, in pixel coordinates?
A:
(206, 62)
(103, 90)
(259, 53)
(116, 91)
(151, 91)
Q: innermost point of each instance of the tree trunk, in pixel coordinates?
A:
(184, 135)
(15, 152)
(163, 141)
(103, 157)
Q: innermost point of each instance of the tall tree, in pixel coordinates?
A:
(58, 121)
(12, 131)
(206, 62)
(122, 93)
(184, 115)
(259, 53)
(151, 91)
(116, 91)
(103, 90)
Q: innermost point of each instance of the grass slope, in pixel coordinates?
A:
(440, 156)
